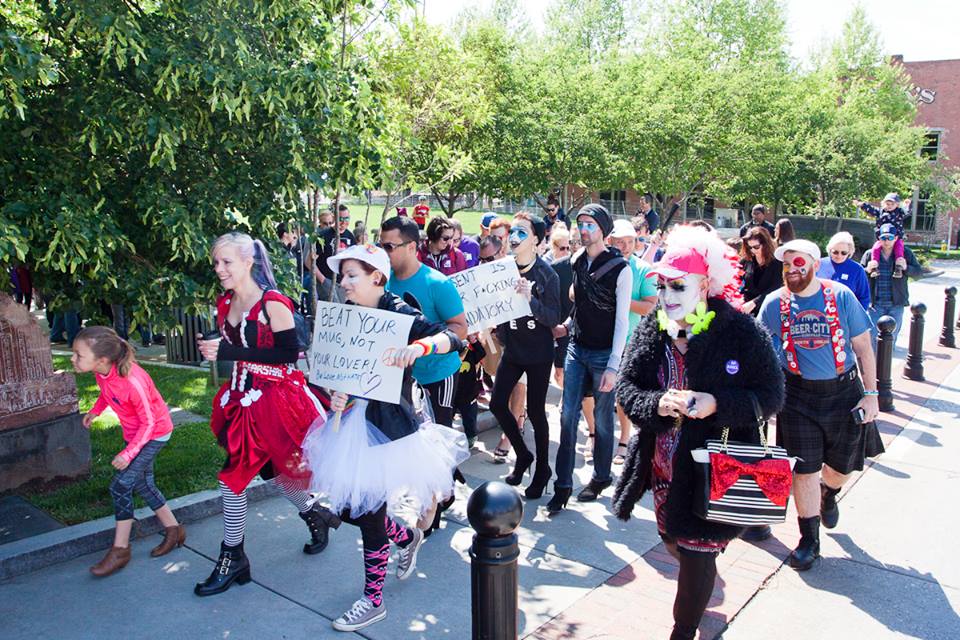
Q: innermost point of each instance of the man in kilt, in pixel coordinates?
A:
(820, 332)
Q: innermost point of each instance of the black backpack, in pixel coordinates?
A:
(299, 323)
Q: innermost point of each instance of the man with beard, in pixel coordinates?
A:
(828, 417)
(598, 326)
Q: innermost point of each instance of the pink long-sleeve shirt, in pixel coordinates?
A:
(142, 411)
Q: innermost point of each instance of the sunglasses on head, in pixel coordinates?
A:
(389, 247)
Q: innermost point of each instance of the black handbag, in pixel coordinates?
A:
(742, 484)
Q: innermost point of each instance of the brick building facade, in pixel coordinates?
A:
(936, 87)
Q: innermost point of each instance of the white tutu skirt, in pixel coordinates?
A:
(357, 468)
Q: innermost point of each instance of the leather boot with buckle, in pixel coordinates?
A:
(232, 566)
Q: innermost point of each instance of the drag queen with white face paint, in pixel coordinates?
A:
(688, 372)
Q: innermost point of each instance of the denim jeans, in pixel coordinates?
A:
(876, 313)
(68, 321)
(580, 363)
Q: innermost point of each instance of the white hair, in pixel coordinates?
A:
(841, 237)
(723, 270)
(247, 247)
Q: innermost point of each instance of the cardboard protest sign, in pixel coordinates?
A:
(489, 294)
(351, 345)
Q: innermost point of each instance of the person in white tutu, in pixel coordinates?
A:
(383, 453)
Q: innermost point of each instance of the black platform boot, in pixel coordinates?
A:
(807, 552)
(559, 500)
(829, 510)
(232, 566)
(319, 520)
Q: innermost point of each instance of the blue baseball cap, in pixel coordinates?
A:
(888, 230)
(893, 197)
(488, 219)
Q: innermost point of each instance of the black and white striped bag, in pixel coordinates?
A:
(742, 503)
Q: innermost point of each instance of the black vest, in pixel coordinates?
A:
(595, 299)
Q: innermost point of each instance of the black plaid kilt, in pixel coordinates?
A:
(816, 424)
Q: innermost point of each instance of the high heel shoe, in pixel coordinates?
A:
(523, 463)
(540, 479)
(559, 500)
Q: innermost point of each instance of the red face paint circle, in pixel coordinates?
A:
(799, 261)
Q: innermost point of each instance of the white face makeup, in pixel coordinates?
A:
(679, 297)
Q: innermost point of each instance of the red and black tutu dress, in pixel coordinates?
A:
(261, 415)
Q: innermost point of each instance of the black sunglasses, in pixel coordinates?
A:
(488, 259)
(389, 247)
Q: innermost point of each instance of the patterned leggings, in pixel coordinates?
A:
(377, 530)
(235, 508)
(138, 476)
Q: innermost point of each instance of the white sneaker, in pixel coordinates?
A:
(362, 614)
(407, 556)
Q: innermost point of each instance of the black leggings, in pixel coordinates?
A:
(698, 572)
(538, 381)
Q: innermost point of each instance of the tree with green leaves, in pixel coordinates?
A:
(133, 133)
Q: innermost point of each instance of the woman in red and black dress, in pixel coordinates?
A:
(261, 414)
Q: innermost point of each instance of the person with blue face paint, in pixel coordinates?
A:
(598, 326)
(528, 351)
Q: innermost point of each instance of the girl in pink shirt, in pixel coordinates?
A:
(127, 389)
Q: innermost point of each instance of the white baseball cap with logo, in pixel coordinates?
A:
(800, 246)
(368, 253)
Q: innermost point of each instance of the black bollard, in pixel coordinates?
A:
(886, 325)
(949, 308)
(495, 511)
(913, 370)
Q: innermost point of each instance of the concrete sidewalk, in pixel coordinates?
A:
(888, 569)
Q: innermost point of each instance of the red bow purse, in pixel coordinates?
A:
(740, 483)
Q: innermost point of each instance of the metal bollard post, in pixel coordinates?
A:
(886, 325)
(949, 309)
(495, 511)
(914, 367)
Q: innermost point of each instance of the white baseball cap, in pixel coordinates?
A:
(800, 246)
(368, 253)
(623, 229)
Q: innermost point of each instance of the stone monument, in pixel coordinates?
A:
(41, 433)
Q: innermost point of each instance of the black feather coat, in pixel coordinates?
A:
(735, 343)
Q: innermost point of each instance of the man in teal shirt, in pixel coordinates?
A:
(643, 298)
(437, 298)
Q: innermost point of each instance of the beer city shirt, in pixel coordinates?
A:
(810, 330)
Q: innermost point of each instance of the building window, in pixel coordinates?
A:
(924, 216)
(614, 201)
(931, 146)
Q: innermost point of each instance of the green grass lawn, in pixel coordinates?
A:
(188, 463)
(182, 388)
(469, 218)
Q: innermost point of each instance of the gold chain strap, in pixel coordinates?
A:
(726, 436)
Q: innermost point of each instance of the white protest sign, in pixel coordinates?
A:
(489, 294)
(350, 345)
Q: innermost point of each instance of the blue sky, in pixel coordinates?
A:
(918, 29)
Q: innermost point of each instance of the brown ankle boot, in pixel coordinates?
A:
(116, 559)
(172, 537)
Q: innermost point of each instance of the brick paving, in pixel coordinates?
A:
(636, 603)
